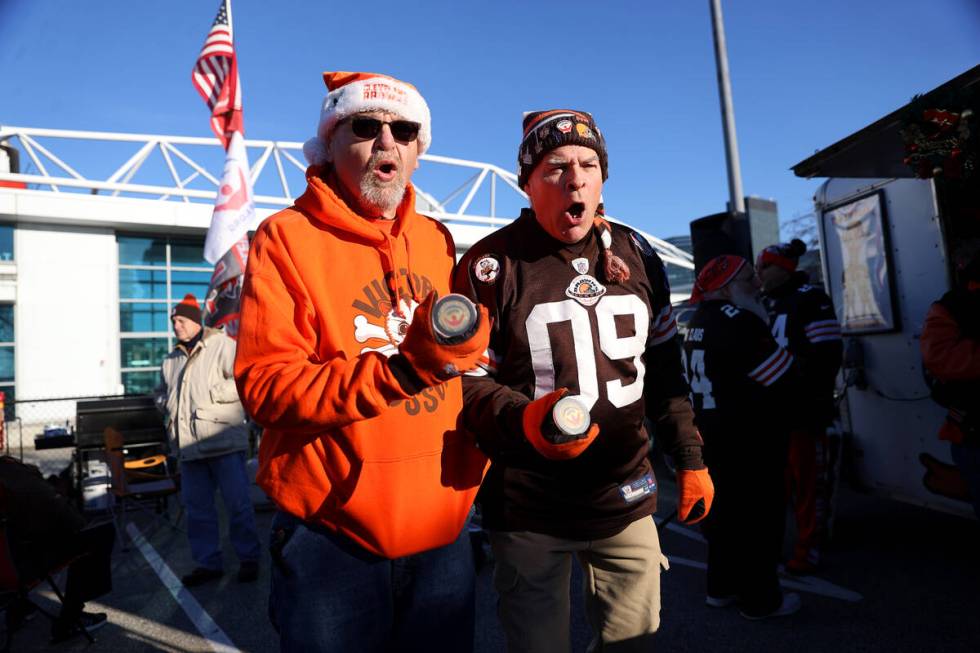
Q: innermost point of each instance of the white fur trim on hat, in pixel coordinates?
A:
(368, 92)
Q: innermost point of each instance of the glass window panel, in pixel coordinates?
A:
(6, 363)
(144, 317)
(6, 322)
(140, 383)
(182, 283)
(143, 352)
(6, 242)
(188, 253)
(143, 284)
(142, 251)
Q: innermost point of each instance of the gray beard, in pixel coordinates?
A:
(382, 196)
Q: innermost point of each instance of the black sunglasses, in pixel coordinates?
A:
(401, 130)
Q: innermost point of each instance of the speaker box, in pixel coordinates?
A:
(745, 234)
(719, 234)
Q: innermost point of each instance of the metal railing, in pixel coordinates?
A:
(176, 168)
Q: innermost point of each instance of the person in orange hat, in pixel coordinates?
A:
(581, 308)
(337, 360)
(206, 424)
(802, 320)
(742, 383)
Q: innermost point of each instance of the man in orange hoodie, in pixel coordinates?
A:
(950, 345)
(338, 362)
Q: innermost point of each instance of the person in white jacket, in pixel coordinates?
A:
(207, 430)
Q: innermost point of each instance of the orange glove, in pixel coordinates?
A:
(696, 494)
(537, 414)
(434, 362)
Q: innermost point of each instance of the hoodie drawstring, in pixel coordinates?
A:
(408, 266)
(393, 275)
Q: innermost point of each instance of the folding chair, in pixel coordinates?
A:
(132, 482)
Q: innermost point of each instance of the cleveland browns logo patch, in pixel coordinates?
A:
(585, 289)
(486, 269)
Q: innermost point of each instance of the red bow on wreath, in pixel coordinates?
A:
(941, 142)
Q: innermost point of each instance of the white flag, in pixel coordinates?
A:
(234, 210)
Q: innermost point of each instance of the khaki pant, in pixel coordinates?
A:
(621, 584)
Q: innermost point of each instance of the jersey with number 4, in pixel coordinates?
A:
(737, 371)
(803, 321)
(558, 323)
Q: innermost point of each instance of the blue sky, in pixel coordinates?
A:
(804, 75)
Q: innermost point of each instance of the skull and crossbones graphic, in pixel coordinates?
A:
(392, 332)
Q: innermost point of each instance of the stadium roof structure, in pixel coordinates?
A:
(152, 181)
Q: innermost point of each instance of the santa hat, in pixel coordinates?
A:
(349, 93)
(189, 308)
(784, 255)
(716, 274)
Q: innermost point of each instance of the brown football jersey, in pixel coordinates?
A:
(559, 323)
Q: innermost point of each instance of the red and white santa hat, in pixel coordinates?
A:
(349, 93)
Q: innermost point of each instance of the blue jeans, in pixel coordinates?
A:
(329, 594)
(199, 480)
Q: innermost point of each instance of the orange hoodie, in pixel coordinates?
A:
(344, 446)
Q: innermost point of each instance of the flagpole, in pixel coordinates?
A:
(215, 76)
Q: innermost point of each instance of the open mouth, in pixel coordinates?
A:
(386, 170)
(575, 210)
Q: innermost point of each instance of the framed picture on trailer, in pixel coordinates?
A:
(855, 236)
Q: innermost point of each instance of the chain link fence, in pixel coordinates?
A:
(41, 431)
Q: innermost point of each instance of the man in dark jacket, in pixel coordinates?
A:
(45, 531)
(803, 321)
(578, 306)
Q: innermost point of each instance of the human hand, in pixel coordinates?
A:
(435, 360)
(696, 493)
(547, 438)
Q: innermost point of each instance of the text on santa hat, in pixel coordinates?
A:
(382, 91)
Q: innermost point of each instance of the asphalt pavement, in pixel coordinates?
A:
(895, 578)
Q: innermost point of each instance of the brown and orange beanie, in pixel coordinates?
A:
(547, 130)
(189, 308)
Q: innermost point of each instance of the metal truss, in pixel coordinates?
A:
(175, 168)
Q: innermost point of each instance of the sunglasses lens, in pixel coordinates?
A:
(403, 130)
(365, 127)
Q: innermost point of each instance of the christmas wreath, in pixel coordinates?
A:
(941, 136)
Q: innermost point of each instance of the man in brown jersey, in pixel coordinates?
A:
(579, 306)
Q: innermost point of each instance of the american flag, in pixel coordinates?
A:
(216, 77)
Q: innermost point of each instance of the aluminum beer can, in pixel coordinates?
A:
(570, 416)
(454, 319)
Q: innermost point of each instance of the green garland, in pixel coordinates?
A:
(941, 136)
